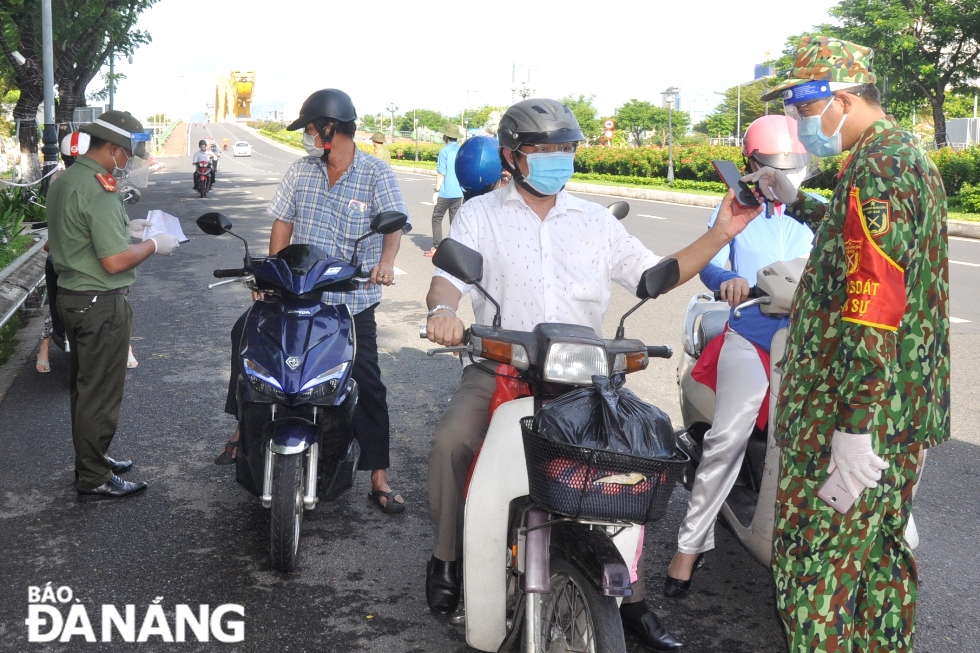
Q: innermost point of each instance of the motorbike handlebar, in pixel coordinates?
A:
(753, 293)
(235, 272)
(660, 351)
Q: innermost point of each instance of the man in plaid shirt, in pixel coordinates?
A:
(327, 199)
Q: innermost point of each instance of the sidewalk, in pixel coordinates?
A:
(176, 145)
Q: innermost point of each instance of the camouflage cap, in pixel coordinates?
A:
(378, 137)
(825, 58)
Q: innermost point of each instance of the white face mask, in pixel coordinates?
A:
(117, 171)
(309, 144)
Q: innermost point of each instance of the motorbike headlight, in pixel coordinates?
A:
(324, 384)
(575, 364)
(263, 382)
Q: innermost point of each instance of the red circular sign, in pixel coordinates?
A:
(609, 124)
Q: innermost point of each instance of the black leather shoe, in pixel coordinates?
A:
(119, 466)
(442, 585)
(651, 632)
(114, 488)
(674, 588)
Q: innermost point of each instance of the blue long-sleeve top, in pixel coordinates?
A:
(763, 242)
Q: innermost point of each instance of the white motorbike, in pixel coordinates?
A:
(749, 512)
(535, 576)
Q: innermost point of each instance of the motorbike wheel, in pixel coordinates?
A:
(202, 188)
(287, 509)
(576, 617)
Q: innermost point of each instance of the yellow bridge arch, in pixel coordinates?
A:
(233, 96)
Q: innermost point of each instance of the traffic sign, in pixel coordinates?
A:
(609, 124)
(608, 134)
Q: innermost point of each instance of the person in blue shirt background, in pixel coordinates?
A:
(743, 379)
(449, 195)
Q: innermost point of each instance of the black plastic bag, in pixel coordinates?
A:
(609, 417)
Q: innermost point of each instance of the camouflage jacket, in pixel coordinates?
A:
(868, 346)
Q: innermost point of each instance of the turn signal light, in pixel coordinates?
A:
(504, 352)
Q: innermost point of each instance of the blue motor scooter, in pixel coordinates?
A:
(296, 395)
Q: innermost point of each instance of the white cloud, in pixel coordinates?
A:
(446, 55)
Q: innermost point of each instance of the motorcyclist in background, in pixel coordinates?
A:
(203, 154)
(742, 372)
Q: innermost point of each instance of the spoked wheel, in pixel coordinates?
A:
(576, 618)
(287, 509)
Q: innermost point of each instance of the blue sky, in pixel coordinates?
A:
(447, 55)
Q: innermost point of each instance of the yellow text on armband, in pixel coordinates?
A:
(862, 287)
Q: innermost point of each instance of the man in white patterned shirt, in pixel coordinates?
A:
(327, 199)
(548, 257)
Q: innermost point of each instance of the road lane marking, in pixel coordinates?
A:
(272, 178)
(176, 182)
(151, 183)
(972, 265)
(247, 179)
(428, 203)
(958, 320)
(655, 217)
(259, 198)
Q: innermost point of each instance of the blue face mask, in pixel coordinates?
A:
(548, 172)
(810, 133)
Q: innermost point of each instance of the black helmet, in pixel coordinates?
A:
(325, 103)
(202, 143)
(537, 121)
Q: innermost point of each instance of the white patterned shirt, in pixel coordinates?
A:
(554, 270)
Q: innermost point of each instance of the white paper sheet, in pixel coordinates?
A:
(161, 222)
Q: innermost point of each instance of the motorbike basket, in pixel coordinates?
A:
(575, 481)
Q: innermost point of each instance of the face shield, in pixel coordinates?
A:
(137, 170)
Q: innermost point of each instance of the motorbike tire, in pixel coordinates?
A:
(287, 510)
(576, 617)
(203, 189)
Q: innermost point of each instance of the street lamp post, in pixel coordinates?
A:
(415, 125)
(392, 108)
(50, 134)
(670, 95)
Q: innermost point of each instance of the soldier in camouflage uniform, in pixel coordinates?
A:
(866, 371)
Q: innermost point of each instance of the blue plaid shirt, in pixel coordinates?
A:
(333, 218)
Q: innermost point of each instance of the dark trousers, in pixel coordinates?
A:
(51, 282)
(371, 424)
(443, 205)
(98, 330)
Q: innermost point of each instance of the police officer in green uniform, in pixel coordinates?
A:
(865, 386)
(90, 247)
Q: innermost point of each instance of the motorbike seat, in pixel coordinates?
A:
(710, 325)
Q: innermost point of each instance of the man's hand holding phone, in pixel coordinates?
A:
(733, 218)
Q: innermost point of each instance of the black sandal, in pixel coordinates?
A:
(391, 506)
(227, 457)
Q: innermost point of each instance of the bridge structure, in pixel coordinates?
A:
(233, 96)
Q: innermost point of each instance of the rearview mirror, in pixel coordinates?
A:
(214, 224)
(619, 209)
(459, 260)
(388, 222)
(659, 279)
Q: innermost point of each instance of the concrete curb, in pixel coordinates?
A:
(964, 229)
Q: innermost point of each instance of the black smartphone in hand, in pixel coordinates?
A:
(730, 174)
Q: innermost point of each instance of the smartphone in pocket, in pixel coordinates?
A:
(730, 174)
(836, 495)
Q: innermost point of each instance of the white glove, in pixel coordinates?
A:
(165, 244)
(774, 184)
(435, 197)
(136, 228)
(859, 466)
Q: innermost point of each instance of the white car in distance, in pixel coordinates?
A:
(242, 148)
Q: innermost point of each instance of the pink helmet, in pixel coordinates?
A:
(771, 141)
(75, 143)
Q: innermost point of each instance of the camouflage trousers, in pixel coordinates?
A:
(844, 583)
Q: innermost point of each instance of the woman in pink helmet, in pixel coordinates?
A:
(743, 379)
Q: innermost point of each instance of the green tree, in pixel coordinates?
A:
(636, 117)
(479, 117)
(586, 114)
(434, 120)
(664, 122)
(369, 122)
(84, 35)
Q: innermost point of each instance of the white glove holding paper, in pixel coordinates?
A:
(165, 244)
(137, 227)
(859, 466)
(158, 222)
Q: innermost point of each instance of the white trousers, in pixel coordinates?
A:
(742, 386)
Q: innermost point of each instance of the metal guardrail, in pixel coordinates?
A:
(20, 279)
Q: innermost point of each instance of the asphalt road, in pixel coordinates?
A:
(197, 538)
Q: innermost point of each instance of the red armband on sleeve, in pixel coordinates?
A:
(875, 282)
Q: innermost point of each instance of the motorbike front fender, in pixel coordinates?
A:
(592, 552)
(293, 435)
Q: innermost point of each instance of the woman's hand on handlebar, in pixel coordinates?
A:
(445, 329)
(735, 291)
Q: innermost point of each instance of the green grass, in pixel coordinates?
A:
(13, 249)
(411, 163)
(8, 338)
(966, 217)
(607, 180)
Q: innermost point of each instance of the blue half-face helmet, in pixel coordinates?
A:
(478, 165)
